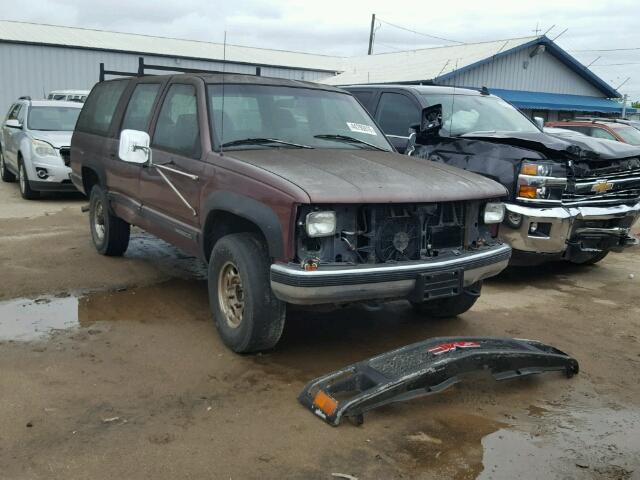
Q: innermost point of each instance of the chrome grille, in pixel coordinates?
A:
(614, 188)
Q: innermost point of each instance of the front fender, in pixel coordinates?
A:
(252, 210)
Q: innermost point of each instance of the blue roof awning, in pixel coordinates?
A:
(559, 101)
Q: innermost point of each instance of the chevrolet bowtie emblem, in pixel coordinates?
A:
(602, 186)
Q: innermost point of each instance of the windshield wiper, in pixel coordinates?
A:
(263, 141)
(347, 138)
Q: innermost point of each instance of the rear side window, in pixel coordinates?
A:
(177, 129)
(601, 133)
(100, 106)
(140, 108)
(585, 130)
(396, 113)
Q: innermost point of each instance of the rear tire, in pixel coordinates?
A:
(247, 314)
(23, 180)
(110, 233)
(589, 258)
(452, 306)
(6, 175)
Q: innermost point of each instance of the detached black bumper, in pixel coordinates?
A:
(366, 282)
(425, 368)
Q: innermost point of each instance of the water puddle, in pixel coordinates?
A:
(25, 319)
(600, 443)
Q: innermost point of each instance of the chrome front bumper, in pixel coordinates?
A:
(566, 223)
(364, 282)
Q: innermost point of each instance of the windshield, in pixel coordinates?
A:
(296, 117)
(462, 114)
(629, 135)
(62, 119)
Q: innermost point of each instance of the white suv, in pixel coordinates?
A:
(34, 145)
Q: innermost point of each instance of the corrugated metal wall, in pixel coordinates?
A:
(35, 70)
(519, 71)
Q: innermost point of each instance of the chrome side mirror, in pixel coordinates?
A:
(539, 121)
(134, 147)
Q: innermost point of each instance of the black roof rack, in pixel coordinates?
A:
(25, 97)
(142, 67)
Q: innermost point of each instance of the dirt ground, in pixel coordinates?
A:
(111, 368)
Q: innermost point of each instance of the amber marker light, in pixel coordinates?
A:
(527, 191)
(529, 169)
(325, 403)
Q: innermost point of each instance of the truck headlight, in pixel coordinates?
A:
(320, 224)
(493, 213)
(542, 180)
(43, 149)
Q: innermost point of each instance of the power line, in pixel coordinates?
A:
(419, 33)
(608, 50)
(615, 64)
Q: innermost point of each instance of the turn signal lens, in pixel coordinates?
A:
(325, 403)
(527, 192)
(529, 169)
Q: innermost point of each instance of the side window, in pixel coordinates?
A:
(140, 108)
(366, 99)
(601, 133)
(13, 112)
(584, 130)
(177, 129)
(396, 113)
(22, 112)
(97, 113)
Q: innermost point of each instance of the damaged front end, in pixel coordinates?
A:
(373, 252)
(426, 368)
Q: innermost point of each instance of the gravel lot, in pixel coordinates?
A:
(111, 368)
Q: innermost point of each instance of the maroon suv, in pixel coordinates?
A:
(289, 191)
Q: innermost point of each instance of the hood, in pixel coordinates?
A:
(367, 176)
(578, 147)
(57, 139)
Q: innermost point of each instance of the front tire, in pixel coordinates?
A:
(6, 175)
(247, 314)
(452, 306)
(110, 233)
(23, 179)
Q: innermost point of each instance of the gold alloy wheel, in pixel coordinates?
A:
(231, 294)
(98, 221)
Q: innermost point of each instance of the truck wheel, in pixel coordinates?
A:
(110, 233)
(6, 175)
(452, 306)
(589, 258)
(23, 180)
(247, 314)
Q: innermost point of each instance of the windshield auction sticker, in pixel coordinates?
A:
(361, 128)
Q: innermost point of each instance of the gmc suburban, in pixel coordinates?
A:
(289, 191)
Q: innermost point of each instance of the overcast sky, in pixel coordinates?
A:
(342, 27)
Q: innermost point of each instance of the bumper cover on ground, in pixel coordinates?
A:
(365, 282)
(425, 368)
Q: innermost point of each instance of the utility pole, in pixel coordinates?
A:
(371, 33)
(624, 105)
